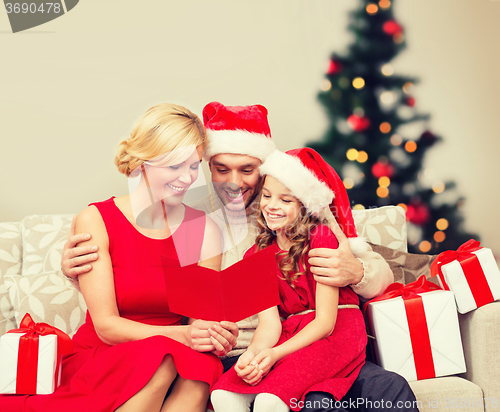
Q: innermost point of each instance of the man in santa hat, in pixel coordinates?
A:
(239, 140)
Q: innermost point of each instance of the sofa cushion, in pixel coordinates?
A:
(43, 240)
(10, 267)
(49, 297)
(448, 393)
(407, 267)
(383, 226)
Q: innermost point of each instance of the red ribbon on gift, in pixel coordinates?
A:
(417, 322)
(27, 359)
(472, 269)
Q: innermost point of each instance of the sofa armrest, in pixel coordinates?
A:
(480, 331)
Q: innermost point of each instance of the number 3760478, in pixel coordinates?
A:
(33, 8)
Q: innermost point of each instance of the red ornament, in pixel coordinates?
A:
(418, 214)
(410, 101)
(358, 123)
(335, 67)
(392, 28)
(381, 169)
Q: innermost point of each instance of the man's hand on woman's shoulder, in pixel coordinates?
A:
(76, 259)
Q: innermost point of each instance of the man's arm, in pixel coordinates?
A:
(76, 259)
(368, 275)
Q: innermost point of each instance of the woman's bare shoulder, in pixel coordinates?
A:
(89, 220)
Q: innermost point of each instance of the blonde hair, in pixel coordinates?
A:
(292, 263)
(163, 129)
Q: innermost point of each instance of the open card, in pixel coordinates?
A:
(242, 290)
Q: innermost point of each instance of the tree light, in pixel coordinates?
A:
(358, 83)
(425, 246)
(385, 127)
(410, 146)
(442, 224)
(382, 192)
(352, 154)
(371, 8)
(396, 139)
(438, 187)
(407, 87)
(348, 183)
(384, 4)
(325, 85)
(439, 236)
(387, 69)
(384, 181)
(362, 156)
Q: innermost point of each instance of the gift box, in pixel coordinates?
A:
(30, 358)
(471, 273)
(416, 331)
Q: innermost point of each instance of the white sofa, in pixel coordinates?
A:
(30, 281)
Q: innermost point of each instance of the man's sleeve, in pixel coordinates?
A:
(377, 275)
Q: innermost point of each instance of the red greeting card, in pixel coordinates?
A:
(242, 290)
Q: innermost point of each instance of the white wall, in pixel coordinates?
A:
(72, 88)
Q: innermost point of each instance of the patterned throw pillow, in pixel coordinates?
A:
(43, 241)
(42, 291)
(10, 268)
(407, 267)
(49, 297)
(384, 226)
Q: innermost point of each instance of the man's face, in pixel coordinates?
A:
(236, 178)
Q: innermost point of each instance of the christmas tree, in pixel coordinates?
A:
(370, 108)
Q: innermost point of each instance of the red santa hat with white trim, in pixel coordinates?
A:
(237, 130)
(318, 186)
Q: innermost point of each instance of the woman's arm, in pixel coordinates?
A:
(98, 290)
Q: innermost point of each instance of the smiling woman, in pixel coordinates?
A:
(132, 349)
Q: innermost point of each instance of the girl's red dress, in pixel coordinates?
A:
(328, 365)
(98, 377)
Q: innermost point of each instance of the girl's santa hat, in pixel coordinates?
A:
(237, 130)
(316, 184)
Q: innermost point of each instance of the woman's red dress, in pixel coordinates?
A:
(98, 377)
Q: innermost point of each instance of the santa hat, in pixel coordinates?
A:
(237, 130)
(318, 186)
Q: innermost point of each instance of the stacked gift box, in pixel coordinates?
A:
(416, 327)
(471, 273)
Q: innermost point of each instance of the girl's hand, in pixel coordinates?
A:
(247, 370)
(265, 360)
(242, 367)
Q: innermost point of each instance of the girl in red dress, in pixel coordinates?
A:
(320, 344)
(132, 353)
